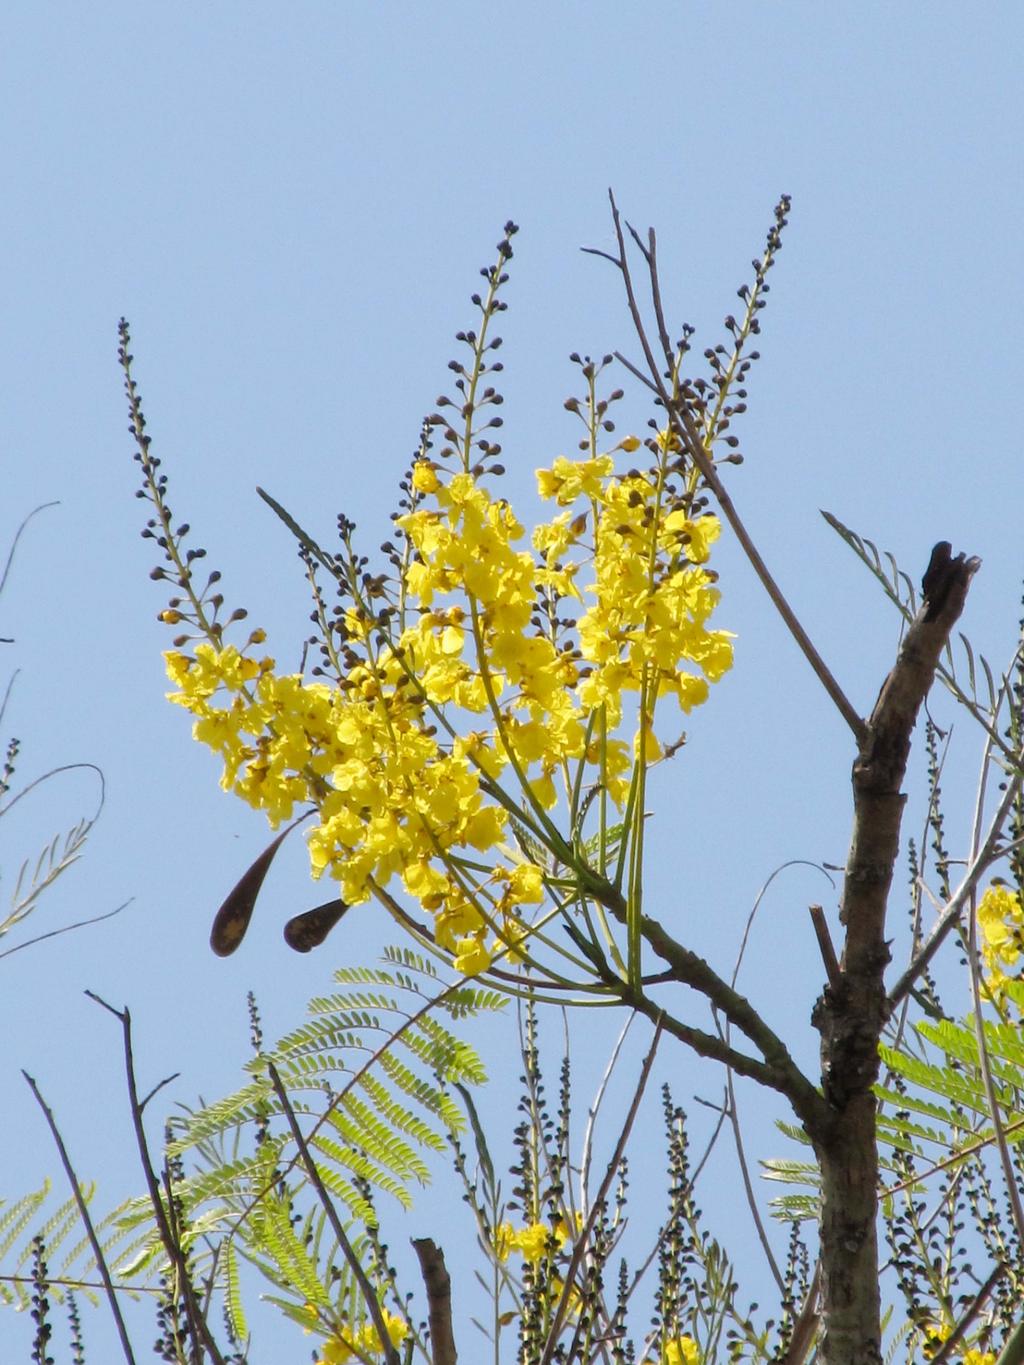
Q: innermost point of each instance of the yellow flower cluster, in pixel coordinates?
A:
(533, 1242)
(679, 1351)
(364, 1341)
(404, 782)
(1001, 921)
(936, 1334)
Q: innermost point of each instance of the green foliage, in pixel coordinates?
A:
(34, 1220)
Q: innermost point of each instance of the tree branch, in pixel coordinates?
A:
(682, 423)
(438, 1284)
(778, 1071)
(852, 1010)
(83, 1210)
(954, 907)
(199, 1328)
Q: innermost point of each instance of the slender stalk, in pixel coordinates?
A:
(83, 1209)
(198, 1326)
(683, 425)
(327, 1204)
(582, 1240)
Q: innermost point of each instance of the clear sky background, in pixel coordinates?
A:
(291, 204)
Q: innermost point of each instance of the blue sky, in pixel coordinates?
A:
(291, 205)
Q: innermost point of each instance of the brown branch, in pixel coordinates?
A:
(199, 1328)
(825, 947)
(67, 928)
(778, 1070)
(851, 1011)
(682, 424)
(83, 1209)
(438, 1284)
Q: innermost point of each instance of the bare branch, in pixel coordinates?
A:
(438, 1284)
(83, 1209)
(67, 928)
(825, 946)
(682, 424)
(199, 1328)
(17, 536)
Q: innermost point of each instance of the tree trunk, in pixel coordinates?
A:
(851, 1011)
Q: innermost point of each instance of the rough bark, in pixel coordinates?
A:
(851, 1011)
(439, 1299)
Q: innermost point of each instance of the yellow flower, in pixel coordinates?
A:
(400, 787)
(471, 956)
(342, 1347)
(424, 477)
(1001, 921)
(526, 885)
(533, 1242)
(682, 1351)
(567, 479)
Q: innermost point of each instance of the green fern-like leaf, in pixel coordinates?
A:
(373, 1065)
(71, 1263)
(232, 1293)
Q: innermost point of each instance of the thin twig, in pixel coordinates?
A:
(984, 1060)
(683, 425)
(748, 1186)
(970, 1313)
(83, 1209)
(365, 1287)
(198, 1326)
(731, 1110)
(919, 883)
(53, 772)
(918, 1178)
(806, 1326)
(592, 1113)
(61, 1283)
(582, 1240)
(825, 946)
(17, 536)
(67, 928)
(954, 908)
